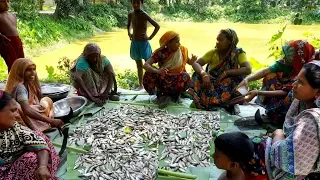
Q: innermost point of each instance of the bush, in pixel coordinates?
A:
(213, 13)
(128, 79)
(26, 9)
(3, 70)
(63, 76)
(45, 30)
(310, 17)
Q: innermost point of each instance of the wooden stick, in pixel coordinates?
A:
(176, 174)
(78, 150)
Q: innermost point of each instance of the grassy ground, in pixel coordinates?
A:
(197, 37)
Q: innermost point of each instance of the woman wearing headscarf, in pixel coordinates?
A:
(227, 65)
(24, 86)
(93, 75)
(24, 154)
(292, 152)
(275, 95)
(170, 79)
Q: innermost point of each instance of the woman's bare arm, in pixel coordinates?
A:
(148, 66)
(245, 69)
(79, 81)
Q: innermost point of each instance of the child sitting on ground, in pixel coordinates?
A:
(232, 151)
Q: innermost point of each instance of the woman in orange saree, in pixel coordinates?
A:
(170, 79)
(24, 86)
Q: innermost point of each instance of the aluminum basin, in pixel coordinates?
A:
(62, 107)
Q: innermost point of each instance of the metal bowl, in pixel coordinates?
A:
(55, 91)
(54, 88)
(56, 96)
(62, 107)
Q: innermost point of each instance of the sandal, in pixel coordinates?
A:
(114, 97)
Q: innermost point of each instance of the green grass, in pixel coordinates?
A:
(197, 37)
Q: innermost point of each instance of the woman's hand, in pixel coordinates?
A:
(278, 132)
(278, 135)
(251, 95)
(244, 83)
(97, 101)
(162, 71)
(193, 59)
(206, 81)
(43, 173)
(57, 123)
(221, 77)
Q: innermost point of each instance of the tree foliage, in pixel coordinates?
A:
(67, 7)
(25, 8)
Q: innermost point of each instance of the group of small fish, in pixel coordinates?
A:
(124, 142)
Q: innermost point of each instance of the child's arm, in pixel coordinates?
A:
(129, 25)
(155, 25)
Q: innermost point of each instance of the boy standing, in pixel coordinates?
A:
(10, 44)
(232, 152)
(140, 46)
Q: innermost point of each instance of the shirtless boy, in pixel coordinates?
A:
(140, 46)
(10, 44)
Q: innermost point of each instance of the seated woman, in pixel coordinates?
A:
(170, 79)
(227, 66)
(275, 94)
(24, 154)
(93, 75)
(293, 153)
(24, 86)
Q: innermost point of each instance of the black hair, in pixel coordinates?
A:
(228, 36)
(139, 0)
(236, 145)
(5, 99)
(312, 73)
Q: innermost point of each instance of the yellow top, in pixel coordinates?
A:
(212, 58)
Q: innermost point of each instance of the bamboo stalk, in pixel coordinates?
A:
(176, 174)
(170, 178)
(154, 105)
(78, 150)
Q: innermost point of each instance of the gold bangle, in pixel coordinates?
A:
(42, 167)
(225, 73)
(205, 76)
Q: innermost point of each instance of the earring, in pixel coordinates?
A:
(317, 101)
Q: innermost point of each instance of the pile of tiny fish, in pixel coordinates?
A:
(124, 142)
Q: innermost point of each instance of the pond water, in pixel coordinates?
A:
(197, 37)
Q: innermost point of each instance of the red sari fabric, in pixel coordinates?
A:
(11, 50)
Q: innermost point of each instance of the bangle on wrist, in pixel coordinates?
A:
(40, 167)
(205, 76)
(225, 73)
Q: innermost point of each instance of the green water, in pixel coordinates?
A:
(197, 37)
